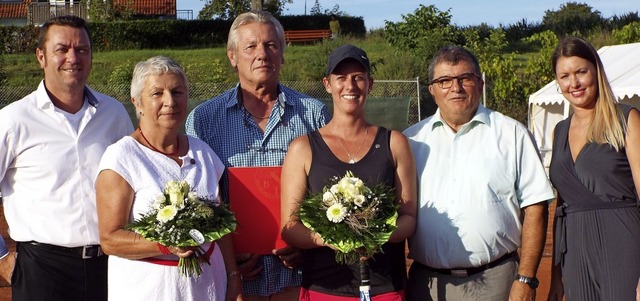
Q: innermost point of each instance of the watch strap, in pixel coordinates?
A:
(530, 281)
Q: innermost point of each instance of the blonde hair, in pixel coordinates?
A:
(608, 126)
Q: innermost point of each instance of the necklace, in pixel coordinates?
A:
(352, 160)
(175, 152)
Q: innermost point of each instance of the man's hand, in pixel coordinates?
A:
(247, 265)
(6, 266)
(290, 256)
(521, 292)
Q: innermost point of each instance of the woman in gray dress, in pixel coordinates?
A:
(595, 168)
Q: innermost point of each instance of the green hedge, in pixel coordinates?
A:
(18, 39)
(158, 34)
(162, 34)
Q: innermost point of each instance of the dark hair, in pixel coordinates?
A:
(452, 54)
(71, 21)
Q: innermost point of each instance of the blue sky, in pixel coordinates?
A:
(464, 12)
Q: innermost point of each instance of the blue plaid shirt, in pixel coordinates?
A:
(3, 248)
(234, 136)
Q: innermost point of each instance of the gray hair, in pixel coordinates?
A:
(254, 17)
(453, 55)
(156, 65)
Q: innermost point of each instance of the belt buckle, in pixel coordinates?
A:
(459, 273)
(91, 252)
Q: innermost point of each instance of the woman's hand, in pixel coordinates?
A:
(182, 252)
(556, 289)
(234, 288)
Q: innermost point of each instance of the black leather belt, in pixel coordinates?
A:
(84, 252)
(466, 272)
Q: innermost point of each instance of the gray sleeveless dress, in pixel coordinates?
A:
(597, 239)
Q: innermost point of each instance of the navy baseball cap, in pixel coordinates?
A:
(347, 52)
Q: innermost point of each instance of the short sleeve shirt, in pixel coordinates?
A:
(472, 186)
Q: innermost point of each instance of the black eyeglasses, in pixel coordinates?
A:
(446, 82)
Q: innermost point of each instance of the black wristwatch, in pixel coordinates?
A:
(530, 281)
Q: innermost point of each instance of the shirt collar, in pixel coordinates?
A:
(43, 100)
(234, 97)
(481, 116)
(93, 100)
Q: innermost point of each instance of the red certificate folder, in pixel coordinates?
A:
(254, 197)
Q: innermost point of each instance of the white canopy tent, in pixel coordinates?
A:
(547, 106)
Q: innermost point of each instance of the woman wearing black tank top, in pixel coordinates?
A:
(375, 155)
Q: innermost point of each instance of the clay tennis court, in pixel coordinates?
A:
(543, 271)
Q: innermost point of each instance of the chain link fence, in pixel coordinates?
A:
(393, 104)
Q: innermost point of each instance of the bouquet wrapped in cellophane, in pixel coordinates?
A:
(352, 217)
(181, 218)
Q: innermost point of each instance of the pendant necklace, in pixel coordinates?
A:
(175, 152)
(352, 160)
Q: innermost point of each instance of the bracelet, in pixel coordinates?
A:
(235, 274)
(163, 249)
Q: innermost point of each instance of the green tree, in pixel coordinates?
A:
(617, 22)
(275, 6)
(317, 9)
(423, 32)
(572, 18)
(228, 10)
(504, 91)
(538, 71)
(104, 11)
(120, 78)
(629, 33)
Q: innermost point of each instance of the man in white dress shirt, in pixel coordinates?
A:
(478, 172)
(52, 142)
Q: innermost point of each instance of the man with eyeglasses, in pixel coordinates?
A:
(483, 194)
(252, 125)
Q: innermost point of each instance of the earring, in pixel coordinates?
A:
(140, 114)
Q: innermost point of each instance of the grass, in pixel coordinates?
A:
(303, 62)
(204, 67)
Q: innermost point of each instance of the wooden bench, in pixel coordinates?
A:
(306, 35)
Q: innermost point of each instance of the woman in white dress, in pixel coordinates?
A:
(134, 170)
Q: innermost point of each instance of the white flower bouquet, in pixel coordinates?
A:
(180, 218)
(352, 217)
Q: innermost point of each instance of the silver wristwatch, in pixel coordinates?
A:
(530, 281)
